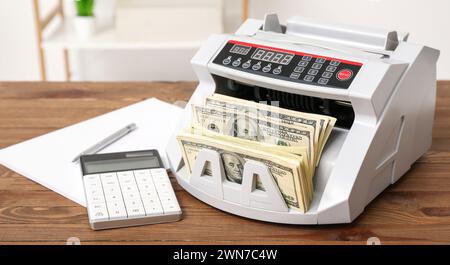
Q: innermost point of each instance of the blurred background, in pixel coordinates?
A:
(154, 40)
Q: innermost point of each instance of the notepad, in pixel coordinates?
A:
(47, 159)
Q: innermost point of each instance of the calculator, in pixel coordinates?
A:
(128, 189)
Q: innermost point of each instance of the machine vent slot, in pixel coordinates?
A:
(341, 110)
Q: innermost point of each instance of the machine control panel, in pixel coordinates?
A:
(294, 66)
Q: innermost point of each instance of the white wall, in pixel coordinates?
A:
(428, 22)
(18, 50)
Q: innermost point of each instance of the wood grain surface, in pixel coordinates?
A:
(414, 210)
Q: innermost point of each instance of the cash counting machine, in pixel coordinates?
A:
(380, 87)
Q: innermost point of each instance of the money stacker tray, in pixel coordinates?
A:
(380, 87)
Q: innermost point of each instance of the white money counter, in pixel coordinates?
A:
(380, 87)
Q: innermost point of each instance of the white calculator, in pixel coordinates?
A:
(128, 189)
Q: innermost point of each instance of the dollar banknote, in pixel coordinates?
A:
(300, 152)
(247, 126)
(285, 168)
(289, 143)
(322, 124)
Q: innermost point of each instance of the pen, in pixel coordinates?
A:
(107, 141)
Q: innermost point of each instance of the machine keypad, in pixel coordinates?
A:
(308, 78)
(303, 63)
(289, 65)
(313, 72)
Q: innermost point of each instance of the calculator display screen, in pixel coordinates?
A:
(121, 164)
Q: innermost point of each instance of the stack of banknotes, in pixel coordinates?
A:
(288, 142)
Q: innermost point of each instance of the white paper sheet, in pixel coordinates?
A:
(47, 159)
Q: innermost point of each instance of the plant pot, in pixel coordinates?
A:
(84, 27)
(105, 12)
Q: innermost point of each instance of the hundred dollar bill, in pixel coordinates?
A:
(323, 124)
(296, 150)
(285, 168)
(246, 126)
(301, 152)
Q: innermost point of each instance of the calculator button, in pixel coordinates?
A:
(150, 198)
(91, 187)
(166, 192)
(142, 172)
(163, 185)
(91, 178)
(112, 189)
(127, 181)
(110, 182)
(109, 179)
(164, 189)
(125, 174)
(159, 174)
(170, 208)
(98, 212)
(149, 194)
(167, 198)
(93, 192)
(108, 176)
(113, 196)
(147, 187)
(134, 208)
(129, 188)
(116, 210)
(126, 178)
(128, 196)
(158, 171)
(153, 208)
(144, 179)
(96, 199)
(159, 181)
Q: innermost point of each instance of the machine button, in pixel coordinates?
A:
(267, 68)
(327, 74)
(227, 60)
(303, 63)
(247, 64)
(257, 66)
(334, 63)
(308, 78)
(316, 66)
(323, 81)
(313, 72)
(344, 74)
(277, 70)
(294, 75)
(320, 60)
(299, 69)
(237, 62)
(331, 68)
(306, 58)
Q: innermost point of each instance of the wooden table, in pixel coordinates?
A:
(414, 210)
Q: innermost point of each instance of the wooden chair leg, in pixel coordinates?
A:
(39, 29)
(244, 10)
(67, 65)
